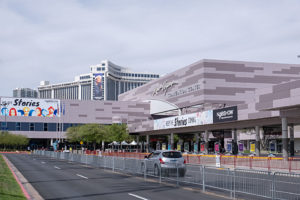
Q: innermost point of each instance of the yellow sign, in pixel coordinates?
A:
(164, 146)
(178, 147)
(81, 142)
(252, 147)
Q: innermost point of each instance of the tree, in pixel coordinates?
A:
(12, 141)
(73, 134)
(95, 133)
(118, 132)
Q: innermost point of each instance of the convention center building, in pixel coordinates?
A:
(211, 105)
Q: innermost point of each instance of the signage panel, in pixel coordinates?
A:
(30, 107)
(98, 86)
(241, 147)
(195, 148)
(225, 114)
(194, 119)
(252, 147)
(229, 147)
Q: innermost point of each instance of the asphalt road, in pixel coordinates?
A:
(59, 179)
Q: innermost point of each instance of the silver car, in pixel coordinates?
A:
(165, 162)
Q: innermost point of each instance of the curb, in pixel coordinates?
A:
(28, 190)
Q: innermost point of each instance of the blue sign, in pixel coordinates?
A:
(229, 147)
(272, 146)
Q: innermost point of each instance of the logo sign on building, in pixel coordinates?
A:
(98, 86)
(194, 119)
(164, 88)
(225, 114)
(30, 107)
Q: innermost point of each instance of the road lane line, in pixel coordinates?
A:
(56, 167)
(136, 196)
(82, 176)
(43, 162)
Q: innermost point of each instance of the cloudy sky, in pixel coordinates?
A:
(57, 40)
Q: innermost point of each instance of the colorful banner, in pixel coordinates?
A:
(194, 119)
(217, 147)
(252, 147)
(202, 147)
(229, 147)
(195, 148)
(30, 107)
(178, 147)
(98, 86)
(241, 147)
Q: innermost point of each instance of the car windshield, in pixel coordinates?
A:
(172, 154)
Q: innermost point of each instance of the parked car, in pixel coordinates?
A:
(167, 162)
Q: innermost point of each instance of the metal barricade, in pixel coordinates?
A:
(278, 185)
(254, 182)
(286, 186)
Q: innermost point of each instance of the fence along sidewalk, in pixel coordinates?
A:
(247, 162)
(234, 182)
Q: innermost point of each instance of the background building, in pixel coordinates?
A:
(25, 92)
(104, 82)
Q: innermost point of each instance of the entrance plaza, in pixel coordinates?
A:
(208, 107)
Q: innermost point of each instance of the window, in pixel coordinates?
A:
(98, 68)
(18, 126)
(4, 125)
(31, 126)
(103, 68)
(45, 127)
(172, 154)
(103, 64)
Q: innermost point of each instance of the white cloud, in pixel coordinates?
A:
(56, 40)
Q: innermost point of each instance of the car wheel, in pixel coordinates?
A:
(156, 170)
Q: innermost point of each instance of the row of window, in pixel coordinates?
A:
(137, 75)
(100, 68)
(45, 94)
(36, 126)
(66, 93)
(85, 77)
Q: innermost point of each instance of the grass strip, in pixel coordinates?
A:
(9, 188)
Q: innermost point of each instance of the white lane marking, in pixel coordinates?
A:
(82, 176)
(136, 196)
(56, 167)
(43, 162)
